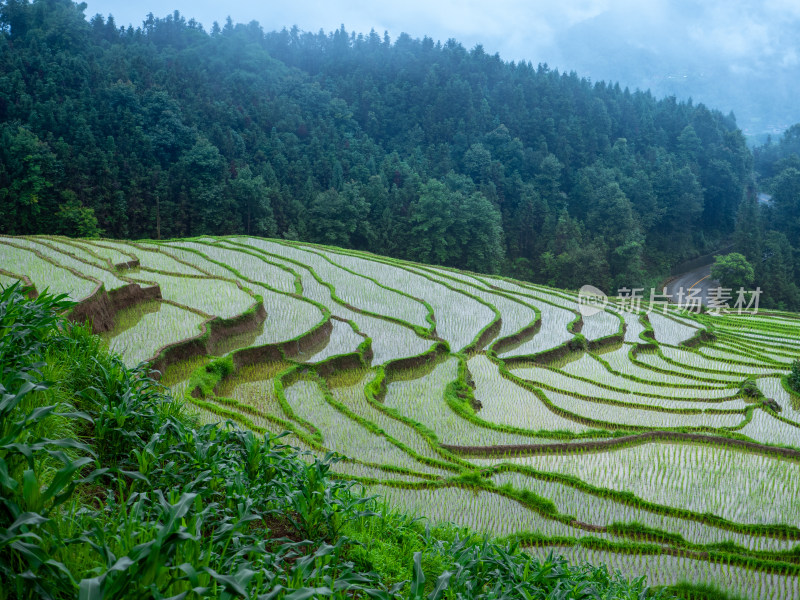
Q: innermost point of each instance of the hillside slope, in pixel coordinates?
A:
(664, 443)
(109, 490)
(427, 152)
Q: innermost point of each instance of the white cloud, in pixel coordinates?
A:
(790, 58)
(734, 41)
(785, 9)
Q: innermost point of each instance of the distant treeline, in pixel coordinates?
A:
(412, 148)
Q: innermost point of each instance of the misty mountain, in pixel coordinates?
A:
(407, 147)
(748, 64)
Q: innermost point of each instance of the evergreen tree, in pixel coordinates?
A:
(404, 147)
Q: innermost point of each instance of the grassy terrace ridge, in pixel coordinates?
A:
(464, 398)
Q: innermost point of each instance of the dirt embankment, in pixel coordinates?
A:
(487, 336)
(212, 333)
(348, 362)
(702, 336)
(523, 335)
(577, 326)
(100, 307)
(275, 352)
(610, 340)
(32, 292)
(546, 356)
(415, 362)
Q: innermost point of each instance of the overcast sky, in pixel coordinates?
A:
(655, 38)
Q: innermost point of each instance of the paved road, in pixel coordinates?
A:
(699, 278)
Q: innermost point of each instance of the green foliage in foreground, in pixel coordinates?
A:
(108, 491)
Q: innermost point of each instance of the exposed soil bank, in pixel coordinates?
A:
(609, 340)
(100, 307)
(487, 336)
(523, 335)
(33, 293)
(212, 332)
(415, 362)
(274, 352)
(547, 356)
(698, 339)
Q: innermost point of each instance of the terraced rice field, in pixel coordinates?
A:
(142, 330)
(622, 438)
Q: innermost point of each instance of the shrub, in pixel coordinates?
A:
(750, 389)
(794, 376)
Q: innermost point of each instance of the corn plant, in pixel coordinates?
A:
(207, 495)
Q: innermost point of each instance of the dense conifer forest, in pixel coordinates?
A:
(293, 315)
(418, 149)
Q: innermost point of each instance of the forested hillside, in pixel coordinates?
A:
(421, 150)
(768, 232)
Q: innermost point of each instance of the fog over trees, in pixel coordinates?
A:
(410, 147)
